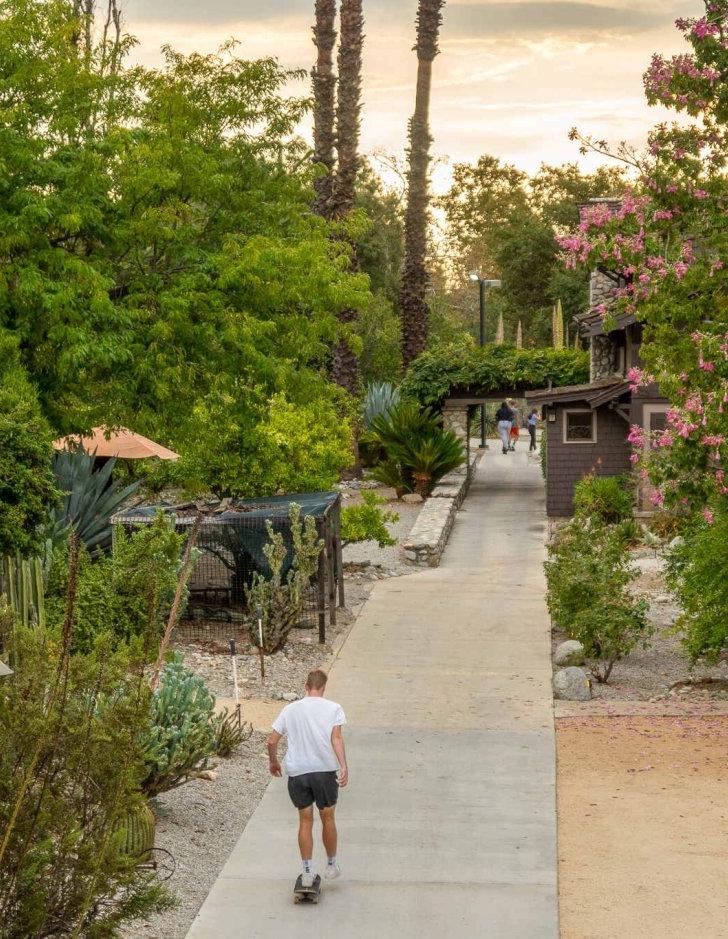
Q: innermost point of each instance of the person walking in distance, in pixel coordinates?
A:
(515, 424)
(532, 425)
(315, 765)
(504, 420)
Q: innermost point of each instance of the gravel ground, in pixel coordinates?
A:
(642, 827)
(648, 674)
(200, 822)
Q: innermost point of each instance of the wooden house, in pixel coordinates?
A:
(586, 426)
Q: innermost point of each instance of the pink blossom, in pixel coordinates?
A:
(713, 440)
(700, 194)
(706, 366)
(657, 498)
(708, 515)
(636, 436)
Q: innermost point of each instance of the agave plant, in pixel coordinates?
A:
(380, 398)
(90, 497)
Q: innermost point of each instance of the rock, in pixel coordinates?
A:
(677, 542)
(208, 775)
(570, 652)
(572, 684)
(412, 498)
(289, 696)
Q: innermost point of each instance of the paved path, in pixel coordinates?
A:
(449, 826)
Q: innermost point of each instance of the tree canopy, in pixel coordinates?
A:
(161, 264)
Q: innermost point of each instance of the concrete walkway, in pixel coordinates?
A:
(448, 828)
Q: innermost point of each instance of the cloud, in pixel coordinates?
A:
(539, 16)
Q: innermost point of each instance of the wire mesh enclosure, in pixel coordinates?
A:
(231, 540)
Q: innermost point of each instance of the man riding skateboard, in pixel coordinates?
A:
(316, 767)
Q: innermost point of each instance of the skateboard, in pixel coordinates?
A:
(307, 894)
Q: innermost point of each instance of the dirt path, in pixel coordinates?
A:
(643, 827)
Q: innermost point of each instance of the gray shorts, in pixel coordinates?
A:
(321, 788)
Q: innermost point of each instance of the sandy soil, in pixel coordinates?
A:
(643, 827)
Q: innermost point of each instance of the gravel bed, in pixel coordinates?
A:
(648, 674)
(199, 823)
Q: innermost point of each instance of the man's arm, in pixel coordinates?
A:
(273, 741)
(337, 742)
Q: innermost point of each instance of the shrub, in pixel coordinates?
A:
(230, 732)
(589, 574)
(367, 522)
(418, 450)
(70, 767)
(606, 498)
(280, 603)
(183, 729)
(697, 572)
(26, 479)
(127, 593)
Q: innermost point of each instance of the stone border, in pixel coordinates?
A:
(430, 533)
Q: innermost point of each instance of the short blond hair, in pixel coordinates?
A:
(316, 680)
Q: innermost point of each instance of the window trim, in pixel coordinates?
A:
(648, 410)
(593, 439)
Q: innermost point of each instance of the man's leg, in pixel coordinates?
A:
(305, 833)
(329, 833)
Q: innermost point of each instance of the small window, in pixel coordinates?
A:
(580, 427)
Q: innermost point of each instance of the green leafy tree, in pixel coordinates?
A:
(27, 485)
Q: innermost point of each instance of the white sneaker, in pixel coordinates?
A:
(307, 880)
(332, 871)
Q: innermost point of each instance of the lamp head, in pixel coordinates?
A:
(474, 276)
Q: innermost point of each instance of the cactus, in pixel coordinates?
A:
(182, 733)
(280, 603)
(139, 827)
(25, 589)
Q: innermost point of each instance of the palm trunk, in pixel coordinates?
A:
(324, 93)
(414, 277)
(345, 364)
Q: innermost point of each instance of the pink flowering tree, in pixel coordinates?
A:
(668, 242)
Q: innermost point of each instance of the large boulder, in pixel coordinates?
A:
(570, 652)
(572, 684)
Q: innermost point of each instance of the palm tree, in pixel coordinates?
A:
(324, 94)
(345, 364)
(519, 336)
(414, 277)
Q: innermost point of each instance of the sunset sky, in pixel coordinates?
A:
(512, 78)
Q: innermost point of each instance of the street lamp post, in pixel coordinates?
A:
(483, 285)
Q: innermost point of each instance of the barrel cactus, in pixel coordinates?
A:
(139, 826)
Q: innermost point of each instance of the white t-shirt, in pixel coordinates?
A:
(308, 724)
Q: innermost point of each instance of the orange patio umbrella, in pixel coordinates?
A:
(122, 443)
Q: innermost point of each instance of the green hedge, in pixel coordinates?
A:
(456, 369)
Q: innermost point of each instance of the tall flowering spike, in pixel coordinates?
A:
(500, 333)
(558, 326)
